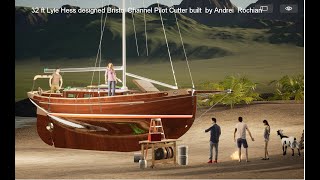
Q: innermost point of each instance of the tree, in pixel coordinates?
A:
(243, 91)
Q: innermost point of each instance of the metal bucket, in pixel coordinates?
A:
(183, 160)
(183, 150)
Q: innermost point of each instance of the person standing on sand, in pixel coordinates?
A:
(240, 130)
(111, 78)
(266, 135)
(54, 81)
(215, 132)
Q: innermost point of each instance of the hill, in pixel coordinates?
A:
(63, 35)
(77, 35)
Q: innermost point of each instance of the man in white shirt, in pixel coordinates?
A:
(240, 130)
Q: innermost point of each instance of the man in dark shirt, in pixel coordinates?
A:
(215, 132)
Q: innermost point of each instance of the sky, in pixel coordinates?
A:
(98, 3)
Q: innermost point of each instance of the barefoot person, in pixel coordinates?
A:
(240, 131)
(215, 132)
(55, 80)
(266, 134)
(111, 78)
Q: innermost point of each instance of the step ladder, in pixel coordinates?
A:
(156, 128)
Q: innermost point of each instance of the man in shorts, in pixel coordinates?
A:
(240, 131)
(55, 79)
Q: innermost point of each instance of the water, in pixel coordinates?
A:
(21, 122)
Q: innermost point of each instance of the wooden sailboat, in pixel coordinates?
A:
(86, 118)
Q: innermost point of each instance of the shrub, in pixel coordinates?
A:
(290, 87)
(243, 91)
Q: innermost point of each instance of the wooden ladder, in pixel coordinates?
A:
(156, 127)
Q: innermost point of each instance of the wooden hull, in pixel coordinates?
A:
(122, 134)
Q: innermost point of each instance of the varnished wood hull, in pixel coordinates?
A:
(123, 134)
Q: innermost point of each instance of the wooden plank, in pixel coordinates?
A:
(162, 141)
(145, 86)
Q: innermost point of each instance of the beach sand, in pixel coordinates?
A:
(36, 160)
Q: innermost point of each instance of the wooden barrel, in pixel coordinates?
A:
(172, 152)
(161, 153)
(168, 153)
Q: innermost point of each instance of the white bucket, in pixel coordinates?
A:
(143, 164)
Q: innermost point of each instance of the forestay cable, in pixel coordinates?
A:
(184, 50)
(134, 29)
(165, 36)
(212, 106)
(145, 28)
(99, 49)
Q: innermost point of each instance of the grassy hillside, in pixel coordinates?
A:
(261, 62)
(214, 52)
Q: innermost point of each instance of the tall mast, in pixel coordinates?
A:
(124, 68)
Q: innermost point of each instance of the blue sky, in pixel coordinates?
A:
(97, 3)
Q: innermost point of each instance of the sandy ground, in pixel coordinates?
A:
(36, 160)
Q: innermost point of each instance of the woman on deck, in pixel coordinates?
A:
(111, 77)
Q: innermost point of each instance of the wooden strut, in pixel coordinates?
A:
(159, 144)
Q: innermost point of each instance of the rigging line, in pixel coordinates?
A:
(102, 30)
(99, 49)
(100, 45)
(165, 36)
(145, 28)
(134, 29)
(212, 106)
(184, 50)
